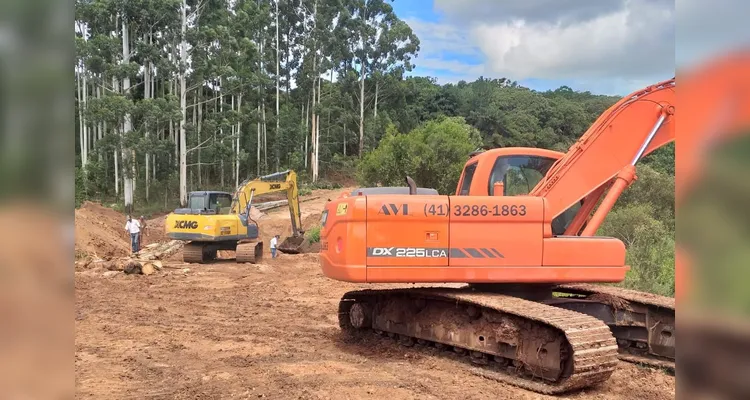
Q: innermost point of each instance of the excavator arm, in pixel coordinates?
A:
(285, 181)
(606, 155)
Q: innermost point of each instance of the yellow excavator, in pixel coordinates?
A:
(216, 221)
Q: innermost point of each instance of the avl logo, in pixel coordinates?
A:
(394, 209)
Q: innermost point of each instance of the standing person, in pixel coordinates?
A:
(274, 242)
(134, 228)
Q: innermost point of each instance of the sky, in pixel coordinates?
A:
(604, 46)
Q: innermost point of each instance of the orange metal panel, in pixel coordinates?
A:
(496, 230)
(407, 230)
(342, 239)
(584, 251)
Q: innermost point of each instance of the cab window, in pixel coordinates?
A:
(220, 202)
(519, 174)
(197, 202)
(466, 182)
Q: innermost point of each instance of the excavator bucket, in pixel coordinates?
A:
(292, 245)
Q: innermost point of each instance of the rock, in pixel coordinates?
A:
(133, 267)
(109, 274)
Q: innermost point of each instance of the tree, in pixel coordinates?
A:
(378, 41)
(433, 155)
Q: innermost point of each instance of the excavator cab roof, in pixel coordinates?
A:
(206, 192)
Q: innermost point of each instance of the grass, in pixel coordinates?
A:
(313, 235)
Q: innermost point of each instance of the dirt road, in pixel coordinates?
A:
(266, 331)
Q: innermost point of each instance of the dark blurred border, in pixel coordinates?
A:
(36, 199)
(713, 200)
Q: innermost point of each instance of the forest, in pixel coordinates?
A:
(181, 95)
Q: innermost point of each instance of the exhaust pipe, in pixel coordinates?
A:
(412, 185)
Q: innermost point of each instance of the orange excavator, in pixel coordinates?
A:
(519, 235)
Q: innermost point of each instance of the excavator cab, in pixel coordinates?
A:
(516, 171)
(207, 203)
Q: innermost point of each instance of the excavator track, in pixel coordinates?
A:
(537, 347)
(193, 253)
(249, 252)
(643, 323)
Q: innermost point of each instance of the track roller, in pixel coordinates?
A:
(193, 253)
(249, 252)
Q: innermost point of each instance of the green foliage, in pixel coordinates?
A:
(344, 163)
(80, 187)
(643, 218)
(433, 155)
(305, 190)
(313, 235)
(649, 244)
(662, 159)
(323, 184)
(656, 189)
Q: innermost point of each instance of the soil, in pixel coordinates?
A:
(228, 330)
(100, 232)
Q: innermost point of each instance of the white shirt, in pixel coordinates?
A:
(133, 226)
(273, 242)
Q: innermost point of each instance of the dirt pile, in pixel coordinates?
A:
(100, 232)
(311, 221)
(255, 214)
(154, 231)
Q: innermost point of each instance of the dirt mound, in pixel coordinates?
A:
(255, 214)
(310, 221)
(154, 232)
(100, 232)
(308, 247)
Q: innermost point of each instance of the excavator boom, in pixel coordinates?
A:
(280, 181)
(632, 128)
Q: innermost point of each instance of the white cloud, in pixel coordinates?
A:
(565, 11)
(635, 41)
(453, 66)
(617, 44)
(444, 51)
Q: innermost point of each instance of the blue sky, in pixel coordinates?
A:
(604, 46)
